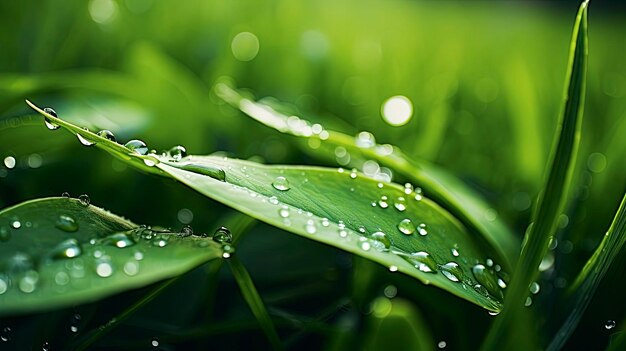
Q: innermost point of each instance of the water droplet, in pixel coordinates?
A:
(610, 324)
(393, 268)
(406, 227)
(361, 229)
(159, 242)
(390, 291)
(425, 262)
(452, 271)
(365, 245)
(120, 240)
(137, 146)
(455, 252)
(227, 251)
(325, 222)
(400, 204)
(74, 329)
(47, 121)
(186, 231)
(16, 224)
(45, 346)
(284, 212)
(204, 169)
(442, 344)
(5, 234)
(380, 241)
(383, 202)
(310, 227)
(273, 200)
(534, 288)
(154, 342)
(501, 283)
(84, 200)
(222, 235)
(487, 279)
(61, 278)
(66, 249)
(66, 224)
(107, 134)
(489, 262)
(83, 140)
(4, 284)
(281, 183)
(28, 282)
(528, 302)
(104, 268)
(65, 195)
(365, 140)
(342, 232)
(6, 334)
(422, 229)
(353, 174)
(177, 152)
(131, 268)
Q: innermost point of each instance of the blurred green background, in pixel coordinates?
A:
(484, 79)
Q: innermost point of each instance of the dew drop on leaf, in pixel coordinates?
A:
(4, 284)
(6, 334)
(28, 282)
(107, 134)
(383, 202)
(310, 227)
(422, 229)
(104, 268)
(284, 212)
(380, 241)
(45, 346)
(66, 223)
(400, 204)
(65, 195)
(177, 152)
(222, 235)
(487, 279)
(534, 288)
(84, 200)
(186, 231)
(610, 324)
(131, 268)
(16, 224)
(154, 342)
(425, 263)
(83, 140)
(47, 121)
(120, 240)
(137, 146)
(452, 271)
(406, 226)
(66, 249)
(281, 183)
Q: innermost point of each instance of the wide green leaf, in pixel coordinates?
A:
(552, 198)
(449, 191)
(58, 252)
(384, 222)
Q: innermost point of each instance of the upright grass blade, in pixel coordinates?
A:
(552, 198)
(252, 297)
(583, 288)
(449, 191)
(383, 222)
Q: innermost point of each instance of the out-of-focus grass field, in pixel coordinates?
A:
(485, 80)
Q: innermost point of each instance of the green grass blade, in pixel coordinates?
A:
(342, 209)
(252, 297)
(551, 200)
(86, 341)
(583, 288)
(57, 252)
(447, 190)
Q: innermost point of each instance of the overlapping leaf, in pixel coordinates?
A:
(383, 222)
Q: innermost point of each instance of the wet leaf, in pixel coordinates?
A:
(57, 252)
(382, 222)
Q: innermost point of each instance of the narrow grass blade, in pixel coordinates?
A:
(447, 190)
(93, 336)
(552, 198)
(252, 297)
(59, 252)
(383, 222)
(583, 288)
